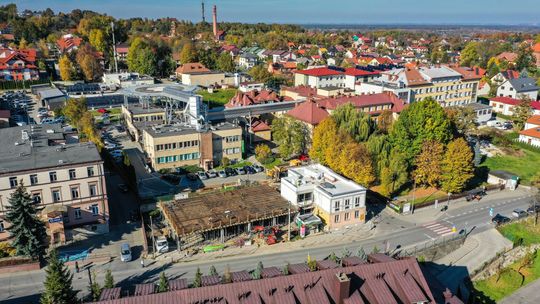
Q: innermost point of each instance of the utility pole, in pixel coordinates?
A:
(202, 8)
(114, 49)
(289, 230)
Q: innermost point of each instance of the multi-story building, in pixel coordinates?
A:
(320, 78)
(171, 146)
(450, 86)
(316, 189)
(138, 116)
(64, 178)
(18, 64)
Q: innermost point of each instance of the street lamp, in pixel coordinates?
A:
(448, 201)
(413, 194)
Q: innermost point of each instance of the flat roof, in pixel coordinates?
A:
(44, 147)
(182, 129)
(322, 178)
(478, 106)
(139, 109)
(220, 209)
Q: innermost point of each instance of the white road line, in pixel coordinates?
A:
(432, 238)
(448, 233)
(433, 225)
(440, 229)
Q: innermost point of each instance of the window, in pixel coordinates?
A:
(52, 176)
(304, 197)
(2, 226)
(336, 218)
(33, 179)
(90, 171)
(347, 217)
(74, 192)
(78, 214)
(95, 209)
(72, 174)
(56, 196)
(36, 197)
(356, 202)
(13, 182)
(347, 204)
(92, 189)
(356, 214)
(337, 205)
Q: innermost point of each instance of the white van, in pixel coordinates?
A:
(162, 245)
(125, 253)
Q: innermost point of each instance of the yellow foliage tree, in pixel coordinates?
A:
(428, 164)
(355, 163)
(457, 167)
(324, 136)
(67, 71)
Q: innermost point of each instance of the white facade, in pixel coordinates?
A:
(335, 199)
(507, 90)
(534, 141)
(319, 81)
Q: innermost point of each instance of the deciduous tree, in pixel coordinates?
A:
(324, 136)
(109, 280)
(263, 153)
(469, 55)
(225, 63)
(428, 164)
(355, 163)
(67, 70)
(87, 59)
(188, 53)
(395, 174)
(457, 167)
(291, 135)
(27, 231)
(356, 123)
(58, 282)
(463, 119)
(522, 112)
(260, 73)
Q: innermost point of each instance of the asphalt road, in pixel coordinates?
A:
(475, 217)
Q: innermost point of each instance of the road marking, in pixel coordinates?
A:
(432, 238)
(448, 233)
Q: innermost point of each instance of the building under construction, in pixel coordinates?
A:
(222, 215)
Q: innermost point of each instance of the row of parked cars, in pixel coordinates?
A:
(227, 171)
(517, 214)
(17, 102)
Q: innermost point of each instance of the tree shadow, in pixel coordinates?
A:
(150, 275)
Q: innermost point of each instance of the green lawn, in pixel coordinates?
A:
(277, 161)
(510, 280)
(526, 166)
(522, 230)
(217, 99)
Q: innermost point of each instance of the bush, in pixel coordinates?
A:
(263, 153)
(6, 250)
(225, 162)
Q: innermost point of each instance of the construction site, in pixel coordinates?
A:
(238, 216)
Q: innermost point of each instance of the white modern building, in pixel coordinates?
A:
(338, 201)
(483, 112)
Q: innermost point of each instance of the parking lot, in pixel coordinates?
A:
(20, 105)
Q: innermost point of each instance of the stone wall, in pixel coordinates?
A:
(503, 260)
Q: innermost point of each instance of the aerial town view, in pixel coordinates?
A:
(269, 152)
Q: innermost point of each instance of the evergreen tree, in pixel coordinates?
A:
(333, 257)
(375, 250)
(197, 281)
(362, 253)
(227, 277)
(163, 284)
(94, 288)
(213, 270)
(58, 283)
(109, 280)
(27, 231)
(257, 273)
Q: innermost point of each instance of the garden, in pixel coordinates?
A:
(217, 99)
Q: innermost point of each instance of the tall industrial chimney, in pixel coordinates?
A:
(214, 18)
(202, 8)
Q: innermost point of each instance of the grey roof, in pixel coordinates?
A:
(174, 130)
(524, 84)
(478, 106)
(46, 147)
(439, 72)
(248, 56)
(50, 93)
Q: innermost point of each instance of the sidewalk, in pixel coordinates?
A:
(526, 295)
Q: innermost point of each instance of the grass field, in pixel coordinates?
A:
(522, 165)
(217, 99)
(510, 280)
(522, 230)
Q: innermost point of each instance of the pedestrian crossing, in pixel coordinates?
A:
(438, 228)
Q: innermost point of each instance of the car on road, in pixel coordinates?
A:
(47, 121)
(258, 168)
(123, 187)
(500, 219)
(211, 173)
(125, 252)
(533, 209)
(202, 175)
(230, 172)
(222, 173)
(519, 213)
(240, 171)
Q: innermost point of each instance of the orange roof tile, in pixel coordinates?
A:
(310, 112)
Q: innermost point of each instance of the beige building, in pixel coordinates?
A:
(137, 116)
(177, 145)
(66, 180)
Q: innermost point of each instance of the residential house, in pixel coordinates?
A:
(308, 112)
(247, 60)
(316, 189)
(531, 133)
(372, 104)
(198, 74)
(509, 57)
(18, 64)
(253, 97)
(505, 105)
(68, 43)
(259, 131)
(65, 179)
(483, 112)
(251, 86)
(503, 76)
(519, 88)
(122, 51)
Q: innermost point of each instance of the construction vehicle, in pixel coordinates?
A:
(275, 173)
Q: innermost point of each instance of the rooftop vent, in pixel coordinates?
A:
(50, 131)
(61, 161)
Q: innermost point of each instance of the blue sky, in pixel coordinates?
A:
(314, 11)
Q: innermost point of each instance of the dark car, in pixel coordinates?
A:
(192, 176)
(249, 170)
(230, 171)
(123, 187)
(500, 219)
(533, 209)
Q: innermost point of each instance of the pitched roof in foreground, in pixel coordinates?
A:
(310, 112)
(398, 281)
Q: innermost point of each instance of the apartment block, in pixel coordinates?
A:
(316, 189)
(64, 178)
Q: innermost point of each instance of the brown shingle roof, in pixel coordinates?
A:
(193, 67)
(309, 112)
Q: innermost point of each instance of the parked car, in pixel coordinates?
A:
(249, 170)
(222, 173)
(192, 176)
(162, 245)
(202, 175)
(211, 173)
(240, 171)
(119, 128)
(123, 187)
(116, 153)
(519, 213)
(500, 219)
(533, 209)
(230, 172)
(47, 121)
(258, 168)
(125, 252)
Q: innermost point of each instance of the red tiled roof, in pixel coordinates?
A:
(510, 74)
(414, 77)
(359, 72)
(192, 67)
(363, 101)
(259, 125)
(252, 97)
(508, 56)
(536, 48)
(506, 100)
(535, 119)
(67, 42)
(309, 112)
(467, 73)
(533, 132)
(319, 72)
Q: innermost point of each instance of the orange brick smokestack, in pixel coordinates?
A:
(214, 18)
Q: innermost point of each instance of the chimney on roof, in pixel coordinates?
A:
(214, 19)
(342, 287)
